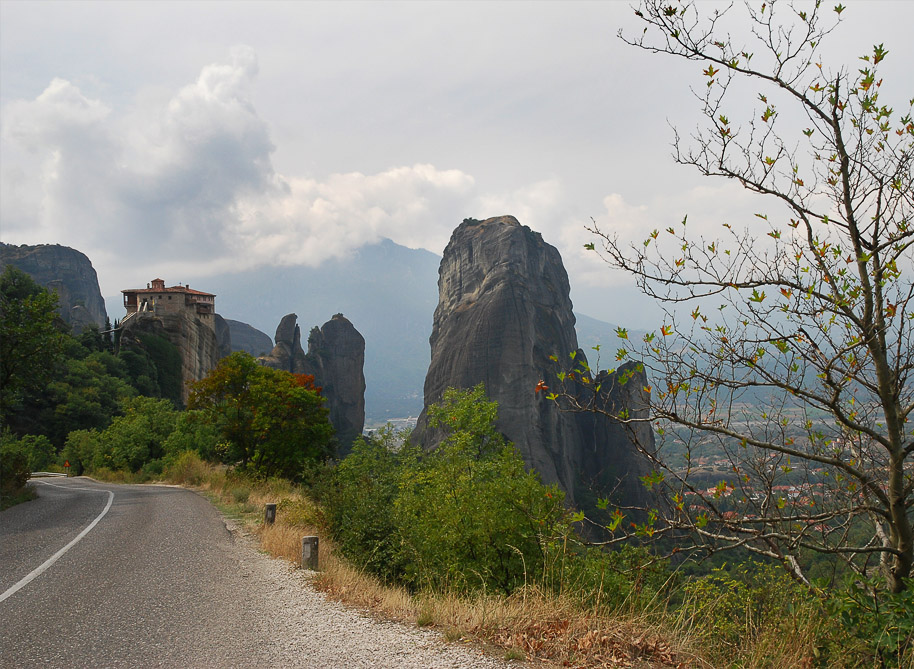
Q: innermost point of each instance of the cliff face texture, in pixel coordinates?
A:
(288, 354)
(223, 336)
(67, 272)
(503, 309)
(195, 341)
(336, 359)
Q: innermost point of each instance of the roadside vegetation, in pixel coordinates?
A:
(557, 600)
(463, 539)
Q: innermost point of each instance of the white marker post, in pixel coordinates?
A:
(309, 553)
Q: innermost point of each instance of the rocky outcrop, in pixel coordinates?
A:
(67, 272)
(195, 341)
(288, 354)
(336, 359)
(248, 339)
(503, 310)
(223, 336)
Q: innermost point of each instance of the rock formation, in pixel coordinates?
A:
(223, 336)
(247, 338)
(503, 310)
(288, 354)
(336, 359)
(183, 317)
(67, 272)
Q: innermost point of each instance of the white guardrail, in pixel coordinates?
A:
(36, 475)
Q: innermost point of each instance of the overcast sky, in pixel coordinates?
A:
(176, 139)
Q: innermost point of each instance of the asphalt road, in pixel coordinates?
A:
(157, 581)
(95, 575)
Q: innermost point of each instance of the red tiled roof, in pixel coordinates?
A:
(171, 289)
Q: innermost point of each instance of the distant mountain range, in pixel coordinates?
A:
(389, 293)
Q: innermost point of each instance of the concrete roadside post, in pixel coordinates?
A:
(309, 553)
(269, 514)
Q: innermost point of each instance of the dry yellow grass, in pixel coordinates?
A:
(530, 624)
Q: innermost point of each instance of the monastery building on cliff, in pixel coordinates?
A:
(155, 298)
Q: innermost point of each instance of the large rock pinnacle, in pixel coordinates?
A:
(336, 359)
(503, 310)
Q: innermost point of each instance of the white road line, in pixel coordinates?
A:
(54, 558)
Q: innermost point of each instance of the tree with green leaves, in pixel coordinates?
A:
(31, 338)
(788, 343)
(271, 422)
(469, 514)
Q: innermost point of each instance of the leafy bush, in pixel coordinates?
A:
(80, 450)
(186, 467)
(359, 502)
(271, 422)
(877, 630)
(466, 516)
(627, 579)
(38, 450)
(193, 432)
(302, 513)
(755, 606)
(137, 437)
(14, 468)
(152, 470)
(468, 523)
(470, 515)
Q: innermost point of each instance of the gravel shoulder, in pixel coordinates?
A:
(307, 629)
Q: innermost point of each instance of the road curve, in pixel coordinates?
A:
(159, 581)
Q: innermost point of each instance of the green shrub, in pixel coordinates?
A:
(14, 468)
(152, 470)
(627, 579)
(359, 502)
(755, 606)
(186, 467)
(466, 516)
(302, 512)
(37, 449)
(471, 522)
(81, 450)
(877, 630)
(469, 514)
(192, 432)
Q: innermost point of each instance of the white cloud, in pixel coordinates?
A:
(183, 183)
(191, 179)
(315, 219)
(536, 205)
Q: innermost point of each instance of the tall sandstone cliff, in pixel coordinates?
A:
(67, 272)
(197, 343)
(503, 310)
(336, 359)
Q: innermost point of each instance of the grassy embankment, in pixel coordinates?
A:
(535, 624)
